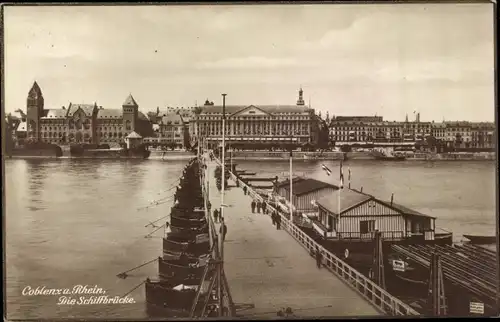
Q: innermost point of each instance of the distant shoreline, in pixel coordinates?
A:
(266, 156)
(318, 156)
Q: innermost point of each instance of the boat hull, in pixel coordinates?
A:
(192, 249)
(163, 301)
(175, 274)
(481, 240)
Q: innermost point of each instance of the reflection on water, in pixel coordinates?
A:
(74, 222)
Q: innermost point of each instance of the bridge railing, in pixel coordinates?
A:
(226, 296)
(368, 289)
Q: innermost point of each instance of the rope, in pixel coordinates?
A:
(157, 220)
(157, 203)
(149, 235)
(124, 274)
(134, 288)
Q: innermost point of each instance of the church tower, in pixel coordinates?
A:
(300, 101)
(34, 111)
(130, 114)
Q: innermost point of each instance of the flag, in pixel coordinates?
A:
(341, 176)
(328, 171)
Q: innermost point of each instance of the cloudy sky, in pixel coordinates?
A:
(389, 59)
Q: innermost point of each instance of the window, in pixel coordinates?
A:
(366, 226)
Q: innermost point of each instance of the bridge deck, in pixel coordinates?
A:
(268, 270)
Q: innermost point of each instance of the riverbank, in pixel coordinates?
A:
(282, 155)
(171, 155)
(100, 154)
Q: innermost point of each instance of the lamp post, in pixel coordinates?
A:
(221, 235)
(223, 152)
(291, 182)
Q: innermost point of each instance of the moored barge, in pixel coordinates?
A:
(186, 251)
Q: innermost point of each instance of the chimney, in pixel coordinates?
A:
(361, 189)
(392, 199)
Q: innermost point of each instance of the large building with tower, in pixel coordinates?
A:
(270, 124)
(82, 123)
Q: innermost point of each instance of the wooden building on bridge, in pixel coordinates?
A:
(350, 215)
(306, 191)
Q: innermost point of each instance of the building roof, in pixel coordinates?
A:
(171, 119)
(142, 116)
(22, 127)
(56, 113)
(110, 113)
(18, 114)
(302, 186)
(133, 135)
(403, 209)
(35, 91)
(88, 109)
(130, 101)
(272, 109)
(348, 199)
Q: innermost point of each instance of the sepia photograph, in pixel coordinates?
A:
(249, 161)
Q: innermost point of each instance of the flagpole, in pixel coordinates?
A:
(340, 189)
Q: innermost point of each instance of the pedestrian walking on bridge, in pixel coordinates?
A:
(245, 190)
(278, 222)
(273, 217)
(216, 215)
(223, 231)
(259, 205)
(252, 205)
(264, 205)
(319, 257)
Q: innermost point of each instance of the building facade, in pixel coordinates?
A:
(83, 123)
(171, 131)
(257, 123)
(372, 129)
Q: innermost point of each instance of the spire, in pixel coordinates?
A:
(406, 120)
(300, 101)
(130, 101)
(35, 91)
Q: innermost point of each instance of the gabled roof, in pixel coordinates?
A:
(22, 127)
(249, 108)
(88, 109)
(171, 118)
(35, 91)
(130, 101)
(57, 113)
(133, 135)
(348, 199)
(110, 113)
(141, 116)
(302, 186)
(404, 210)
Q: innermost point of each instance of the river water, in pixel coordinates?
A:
(71, 222)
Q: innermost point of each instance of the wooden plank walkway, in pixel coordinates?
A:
(268, 270)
